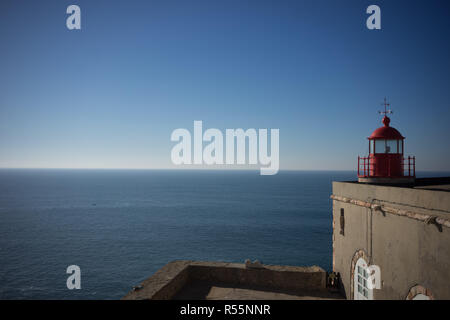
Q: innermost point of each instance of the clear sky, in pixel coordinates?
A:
(110, 95)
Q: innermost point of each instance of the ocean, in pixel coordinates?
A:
(120, 226)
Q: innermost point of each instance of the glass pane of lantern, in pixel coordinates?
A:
(391, 146)
(371, 146)
(400, 146)
(380, 146)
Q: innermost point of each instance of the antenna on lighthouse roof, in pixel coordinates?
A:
(386, 111)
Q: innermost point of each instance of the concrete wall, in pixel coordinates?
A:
(170, 279)
(292, 278)
(409, 252)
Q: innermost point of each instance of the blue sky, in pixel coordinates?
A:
(109, 95)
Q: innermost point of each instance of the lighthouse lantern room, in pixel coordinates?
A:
(386, 163)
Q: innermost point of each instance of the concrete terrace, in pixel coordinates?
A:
(196, 280)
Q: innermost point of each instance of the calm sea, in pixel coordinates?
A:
(120, 226)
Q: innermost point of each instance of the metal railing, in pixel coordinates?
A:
(366, 167)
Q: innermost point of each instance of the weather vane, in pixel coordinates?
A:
(386, 111)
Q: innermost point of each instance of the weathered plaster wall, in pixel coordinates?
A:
(409, 252)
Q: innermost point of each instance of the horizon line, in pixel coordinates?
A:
(188, 169)
(163, 169)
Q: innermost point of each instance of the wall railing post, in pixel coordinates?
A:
(366, 165)
(358, 166)
(409, 166)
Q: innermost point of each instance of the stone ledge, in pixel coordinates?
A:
(174, 276)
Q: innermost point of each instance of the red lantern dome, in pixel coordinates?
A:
(386, 163)
(386, 132)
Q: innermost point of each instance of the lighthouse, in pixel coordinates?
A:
(386, 163)
(389, 229)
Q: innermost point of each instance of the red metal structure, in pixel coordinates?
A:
(386, 162)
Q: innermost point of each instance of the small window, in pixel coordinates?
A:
(419, 292)
(387, 146)
(391, 146)
(361, 289)
(342, 222)
(380, 146)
